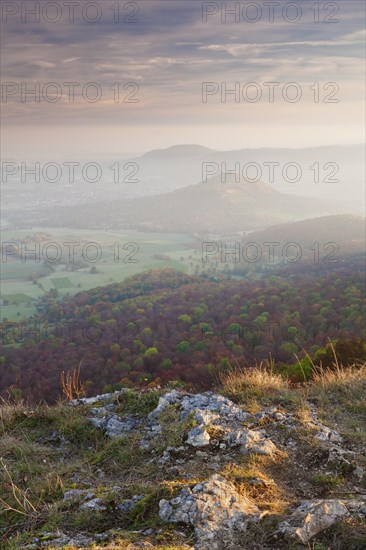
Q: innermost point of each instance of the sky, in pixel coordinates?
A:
(150, 67)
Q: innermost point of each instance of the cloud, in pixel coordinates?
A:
(70, 59)
(236, 49)
(169, 52)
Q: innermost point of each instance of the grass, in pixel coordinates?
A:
(252, 480)
(339, 397)
(140, 404)
(257, 380)
(339, 380)
(174, 430)
(260, 386)
(37, 468)
(17, 298)
(327, 481)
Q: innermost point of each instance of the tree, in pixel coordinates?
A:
(115, 348)
(183, 346)
(292, 331)
(347, 353)
(150, 352)
(166, 364)
(185, 319)
(288, 349)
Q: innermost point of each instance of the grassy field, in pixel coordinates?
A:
(62, 282)
(114, 257)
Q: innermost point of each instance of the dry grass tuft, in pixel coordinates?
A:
(71, 385)
(331, 379)
(260, 378)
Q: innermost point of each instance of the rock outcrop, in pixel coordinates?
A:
(216, 511)
(218, 432)
(215, 412)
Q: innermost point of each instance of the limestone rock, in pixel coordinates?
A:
(116, 427)
(260, 447)
(94, 504)
(313, 517)
(198, 437)
(60, 540)
(209, 410)
(215, 509)
(324, 433)
(251, 441)
(129, 504)
(105, 397)
(77, 494)
(165, 400)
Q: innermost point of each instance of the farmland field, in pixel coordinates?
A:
(106, 257)
(62, 282)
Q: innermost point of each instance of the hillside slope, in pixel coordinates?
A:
(207, 207)
(217, 206)
(163, 325)
(325, 239)
(258, 465)
(345, 230)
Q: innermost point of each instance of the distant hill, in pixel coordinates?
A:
(345, 231)
(216, 207)
(332, 177)
(178, 151)
(341, 171)
(212, 207)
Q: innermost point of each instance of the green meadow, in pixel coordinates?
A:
(115, 256)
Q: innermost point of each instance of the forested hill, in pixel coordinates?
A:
(140, 284)
(163, 326)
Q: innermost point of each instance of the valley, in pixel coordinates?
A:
(100, 258)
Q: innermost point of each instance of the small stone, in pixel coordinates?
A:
(116, 427)
(75, 494)
(129, 504)
(198, 437)
(263, 447)
(358, 472)
(93, 504)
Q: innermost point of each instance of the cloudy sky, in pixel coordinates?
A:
(160, 53)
